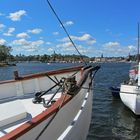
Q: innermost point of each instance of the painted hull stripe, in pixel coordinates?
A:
(61, 137)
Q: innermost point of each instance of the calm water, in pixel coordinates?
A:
(111, 120)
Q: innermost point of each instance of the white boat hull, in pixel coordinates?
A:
(68, 118)
(130, 96)
(66, 125)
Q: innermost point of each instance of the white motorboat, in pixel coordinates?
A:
(130, 93)
(130, 90)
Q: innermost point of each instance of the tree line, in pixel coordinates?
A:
(49, 58)
(5, 56)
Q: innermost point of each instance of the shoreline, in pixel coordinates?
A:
(4, 64)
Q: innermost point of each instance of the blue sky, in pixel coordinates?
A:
(96, 26)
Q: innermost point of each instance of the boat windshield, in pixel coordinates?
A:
(133, 73)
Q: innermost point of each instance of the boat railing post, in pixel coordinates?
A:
(16, 76)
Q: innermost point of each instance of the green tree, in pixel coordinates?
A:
(4, 52)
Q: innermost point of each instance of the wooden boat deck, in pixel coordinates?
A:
(30, 108)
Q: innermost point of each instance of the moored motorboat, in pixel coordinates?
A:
(130, 93)
(130, 90)
(49, 105)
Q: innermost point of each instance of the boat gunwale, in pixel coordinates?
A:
(24, 128)
(42, 74)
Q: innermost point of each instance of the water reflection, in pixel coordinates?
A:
(124, 122)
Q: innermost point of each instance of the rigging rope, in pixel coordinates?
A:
(61, 104)
(66, 31)
(56, 82)
(46, 126)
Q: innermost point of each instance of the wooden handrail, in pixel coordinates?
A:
(42, 74)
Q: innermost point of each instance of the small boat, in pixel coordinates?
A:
(115, 91)
(130, 90)
(50, 105)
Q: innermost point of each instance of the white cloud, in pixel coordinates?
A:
(55, 33)
(111, 44)
(22, 42)
(35, 31)
(48, 43)
(22, 35)
(50, 50)
(132, 47)
(2, 41)
(85, 37)
(88, 38)
(68, 23)
(84, 50)
(67, 48)
(37, 43)
(28, 46)
(34, 46)
(16, 16)
(65, 45)
(2, 26)
(117, 49)
(9, 32)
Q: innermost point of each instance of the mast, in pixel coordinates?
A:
(138, 59)
(138, 44)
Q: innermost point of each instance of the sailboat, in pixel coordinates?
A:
(130, 90)
(49, 105)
